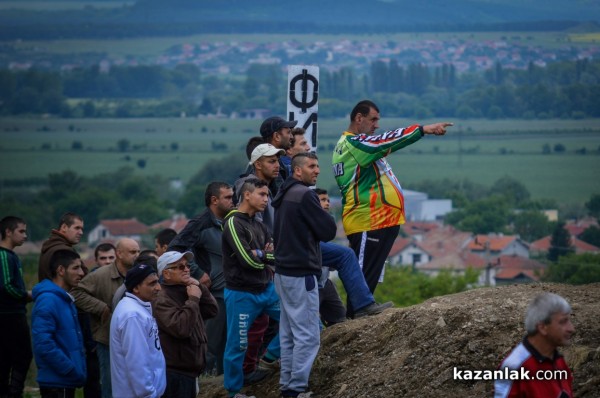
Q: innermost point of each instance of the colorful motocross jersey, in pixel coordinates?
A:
(371, 194)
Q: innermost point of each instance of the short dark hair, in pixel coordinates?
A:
(252, 144)
(103, 247)
(214, 189)
(320, 191)
(68, 219)
(165, 236)
(299, 159)
(64, 258)
(363, 107)
(146, 257)
(250, 185)
(11, 223)
(296, 131)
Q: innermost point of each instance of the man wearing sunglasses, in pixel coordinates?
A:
(180, 309)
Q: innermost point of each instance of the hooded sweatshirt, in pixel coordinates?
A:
(55, 242)
(300, 224)
(57, 339)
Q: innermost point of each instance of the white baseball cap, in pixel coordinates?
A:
(172, 257)
(264, 150)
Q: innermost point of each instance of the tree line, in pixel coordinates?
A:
(569, 89)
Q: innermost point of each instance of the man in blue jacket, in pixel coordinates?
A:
(300, 224)
(57, 339)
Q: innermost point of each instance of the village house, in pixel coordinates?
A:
(176, 223)
(542, 246)
(492, 246)
(517, 269)
(113, 230)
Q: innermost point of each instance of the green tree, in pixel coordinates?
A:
(405, 287)
(591, 235)
(560, 243)
(593, 206)
(513, 190)
(192, 201)
(575, 268)
(482, 216)
(532, 225)
(123, 145)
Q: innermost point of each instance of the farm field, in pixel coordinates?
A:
(154, 46)
(481, 151)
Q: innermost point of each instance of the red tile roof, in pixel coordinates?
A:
(497, 243)
(509, 267)
(176, 223)
(514, 273)
(419, 227)
(444, 241)
(399, 245)
(458, 261)
(543, 245)
(125, 227)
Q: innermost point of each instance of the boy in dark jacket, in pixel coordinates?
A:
(300, 224)
(249, 289)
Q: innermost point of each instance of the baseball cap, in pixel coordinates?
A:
(273, 124)
(137, 274)
(264, 150)
(172, 257)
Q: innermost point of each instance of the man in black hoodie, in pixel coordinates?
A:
(300, 224)
(249, 291)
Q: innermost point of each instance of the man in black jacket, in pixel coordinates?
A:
(300, 224)
(202, 235)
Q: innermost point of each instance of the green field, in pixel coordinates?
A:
(154, 46)
(490, 150)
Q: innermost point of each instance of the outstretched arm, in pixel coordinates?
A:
(436, 128)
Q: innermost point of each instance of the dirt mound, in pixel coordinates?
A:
(411, 352)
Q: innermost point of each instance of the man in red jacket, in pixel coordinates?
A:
(542, 371)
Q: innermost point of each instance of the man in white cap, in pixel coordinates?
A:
(180, 309)
(265, 161)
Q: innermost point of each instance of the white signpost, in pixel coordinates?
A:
(303, 99)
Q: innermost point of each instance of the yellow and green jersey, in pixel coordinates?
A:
(371, 194)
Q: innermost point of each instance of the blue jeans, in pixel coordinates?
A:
(343, 259)
(242, 308)
(104, 361)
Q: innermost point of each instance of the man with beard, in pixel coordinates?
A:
(68, 234)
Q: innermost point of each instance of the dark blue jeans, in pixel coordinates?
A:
(343, 259)
(103, 352)
(180, 386)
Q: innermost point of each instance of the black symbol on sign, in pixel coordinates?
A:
(310, 125)
(303, 103)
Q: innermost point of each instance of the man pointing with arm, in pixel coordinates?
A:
(373, 204)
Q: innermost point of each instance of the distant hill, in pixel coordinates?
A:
(185, 17)
(419, 15)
